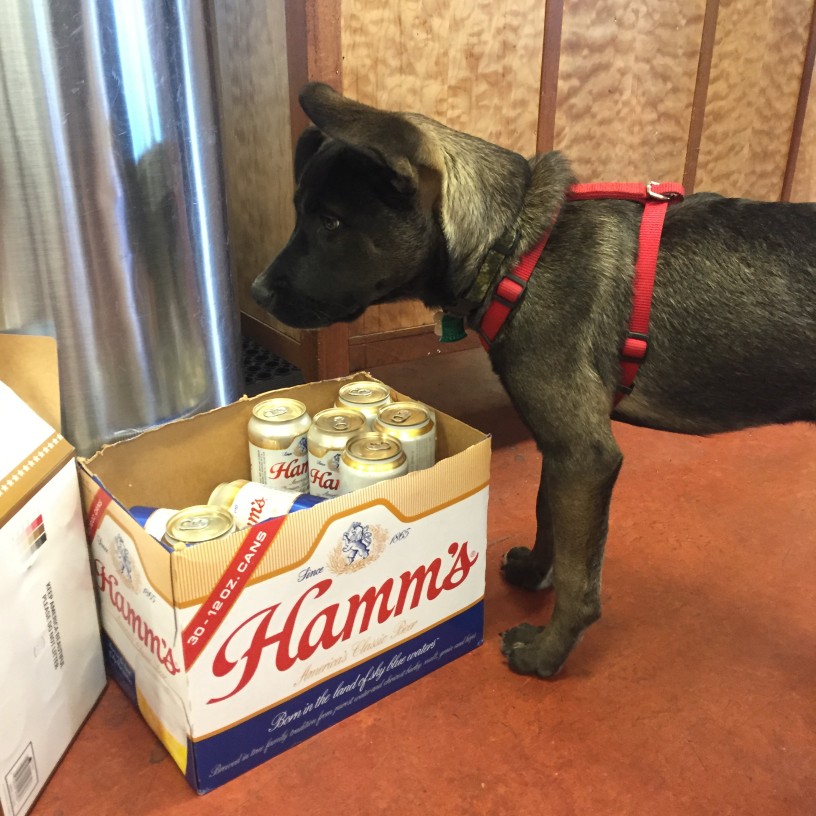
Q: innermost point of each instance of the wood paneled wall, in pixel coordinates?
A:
(256, 137)
(626, 85)
(474, 65)
(715, 93)
(756, 71)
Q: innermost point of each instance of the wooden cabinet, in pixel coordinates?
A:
(715, 93)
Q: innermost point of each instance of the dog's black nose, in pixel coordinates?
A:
(262, 293)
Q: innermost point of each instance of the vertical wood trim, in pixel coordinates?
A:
(313, 50)
(698, 105)
(550, 62)
(297, 61)
(323, 39)
(801, 109)
(333, 351)
(325, 61)
(314, 53)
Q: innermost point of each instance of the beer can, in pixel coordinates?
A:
(197, 524)
(153, 519)
(370, 458)
(330, 432)
(413, 425)
(365, 396)
(252, 502)
(278, 454)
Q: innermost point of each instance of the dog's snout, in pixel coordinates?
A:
(264, 290)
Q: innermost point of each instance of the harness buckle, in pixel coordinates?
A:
(652, 193)
(635, 347)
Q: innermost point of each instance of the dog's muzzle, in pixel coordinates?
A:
(262, 293)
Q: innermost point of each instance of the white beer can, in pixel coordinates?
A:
(153, 519)
(278, 454)
(365, 396)
(413, 425)
(330, 432)
(370, 458)
(252, 502)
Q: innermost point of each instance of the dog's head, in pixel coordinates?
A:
(386, 203)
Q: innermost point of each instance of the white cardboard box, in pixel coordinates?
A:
(51, 671)
(236, 649)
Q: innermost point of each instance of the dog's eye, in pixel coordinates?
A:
(330, 223)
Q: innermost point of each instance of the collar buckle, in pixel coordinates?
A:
(506, 245)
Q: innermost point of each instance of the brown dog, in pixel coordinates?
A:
(393, 206)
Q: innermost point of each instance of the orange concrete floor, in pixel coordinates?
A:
(694, 694)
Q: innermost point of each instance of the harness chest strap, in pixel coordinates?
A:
(511, 287)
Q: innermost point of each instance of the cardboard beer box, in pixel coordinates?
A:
(238, 648)
(51, 671)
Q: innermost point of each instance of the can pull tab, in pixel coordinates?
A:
(360, 391)
(271, 413)
(340, 423)
(400, 416)
(377, 446)
(194, 523)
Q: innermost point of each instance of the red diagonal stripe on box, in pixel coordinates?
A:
(96, 513)
(214, 610)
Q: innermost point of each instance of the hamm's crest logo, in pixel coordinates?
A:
(359, 546)
(124, 564)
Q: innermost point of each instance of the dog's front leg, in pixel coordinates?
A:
(579, 488)
(532, 568)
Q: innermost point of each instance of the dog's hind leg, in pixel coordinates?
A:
(532, 568)
(579, 488)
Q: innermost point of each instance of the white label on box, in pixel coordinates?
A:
(372, 582)
(21, 781)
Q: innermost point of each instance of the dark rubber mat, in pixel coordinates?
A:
(265, 371)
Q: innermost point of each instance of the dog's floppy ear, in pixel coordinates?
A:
(310, 141)
(475, 187)
(396, 141)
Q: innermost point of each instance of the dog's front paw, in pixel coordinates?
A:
(518, 636)
(526, 652)
(521, 569)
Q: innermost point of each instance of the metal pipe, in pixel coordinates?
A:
(112, 208)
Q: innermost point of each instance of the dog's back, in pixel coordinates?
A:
(734, 317)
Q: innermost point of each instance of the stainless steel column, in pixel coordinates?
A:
(112, 211)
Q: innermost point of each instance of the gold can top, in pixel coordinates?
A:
(339, 421)
(224, 495)
(279, 409)
(404, 414)
(199, 523)
(374, 447)
(363, 392)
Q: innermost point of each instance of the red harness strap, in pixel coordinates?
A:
(655, 198)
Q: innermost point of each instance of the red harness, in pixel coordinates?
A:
(655, 198)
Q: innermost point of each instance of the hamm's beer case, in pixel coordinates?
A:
(236, 649)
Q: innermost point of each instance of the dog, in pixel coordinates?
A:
(393, 206)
